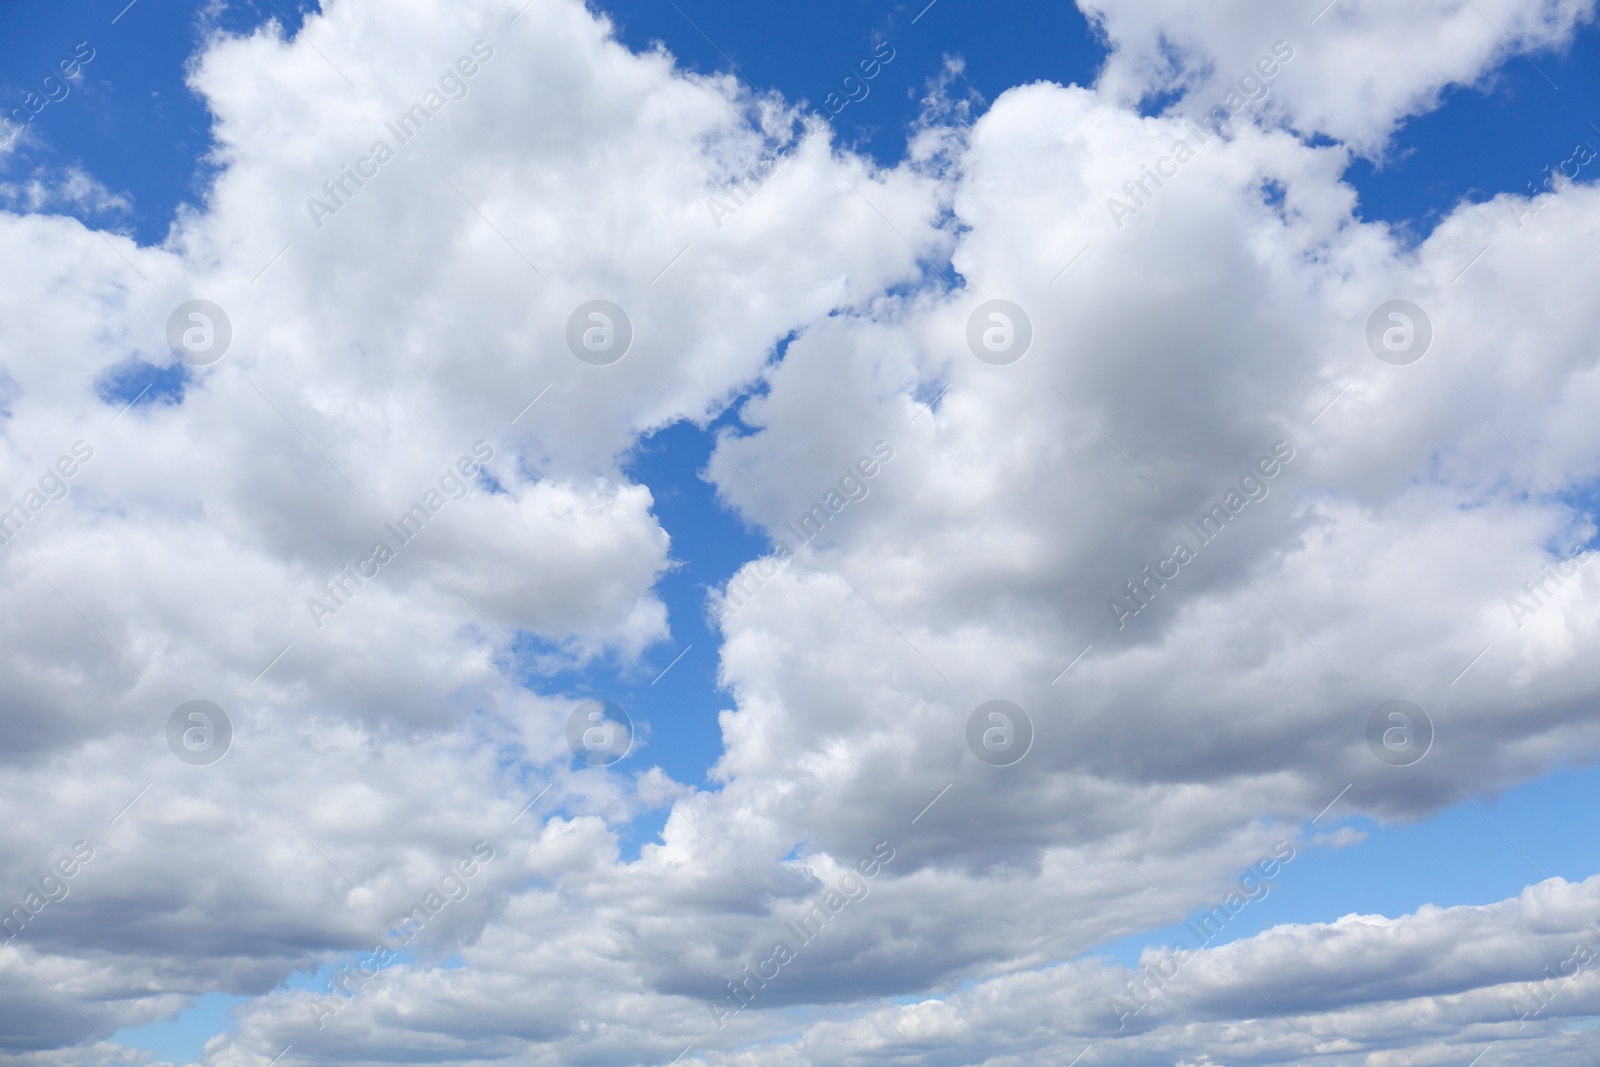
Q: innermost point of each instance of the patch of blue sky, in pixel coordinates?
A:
(1476, 852)
(1498, 137)
(671, 695)
(136, 383)
(810, 51)
(127, 119)
(181, 1040)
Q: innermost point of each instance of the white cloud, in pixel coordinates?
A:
(1439, 985)
(73, 190)
(1170, 353)
(1359, 69)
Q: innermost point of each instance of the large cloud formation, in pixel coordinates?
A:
(399, 339)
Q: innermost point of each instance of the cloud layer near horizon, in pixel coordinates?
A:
(1173, 349)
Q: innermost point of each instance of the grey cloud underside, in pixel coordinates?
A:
(1179, 349)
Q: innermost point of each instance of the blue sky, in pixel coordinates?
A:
(132, 122)
(132, 125)
(135, 126)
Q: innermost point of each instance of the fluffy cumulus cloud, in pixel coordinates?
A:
(1445, 983)
(1350, 69)
(1198, 531)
